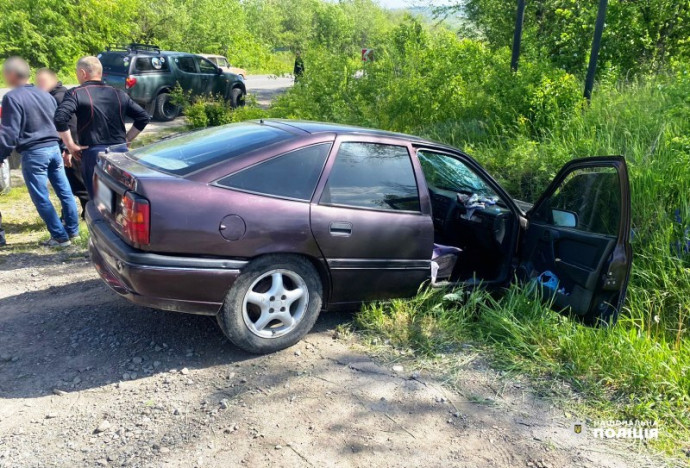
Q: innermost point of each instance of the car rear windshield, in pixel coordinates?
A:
(188, 153)
(115, 62)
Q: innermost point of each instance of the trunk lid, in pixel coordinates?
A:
(116, 67)
(116, 176)
(115, 80)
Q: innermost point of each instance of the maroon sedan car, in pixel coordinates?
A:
(266, 223)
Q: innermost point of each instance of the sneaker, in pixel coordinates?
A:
(56, 243)
(74, 236)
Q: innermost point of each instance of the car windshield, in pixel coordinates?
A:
(222, 62)
(448, 173)
(187, 153)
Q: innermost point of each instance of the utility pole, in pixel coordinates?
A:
(596, 44)
(517, 36)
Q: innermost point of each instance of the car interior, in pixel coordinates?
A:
(470, 216)
(572, 235)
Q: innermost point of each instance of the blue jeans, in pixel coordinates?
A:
(39, 166)
(89, 160)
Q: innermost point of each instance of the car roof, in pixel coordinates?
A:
(150, 53)
(313, 128)
(141, 53)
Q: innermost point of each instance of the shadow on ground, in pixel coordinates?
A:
(80, 336)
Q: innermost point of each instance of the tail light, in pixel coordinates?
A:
(136, 218)
(130, 81)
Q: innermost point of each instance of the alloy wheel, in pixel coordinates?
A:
(275, 303)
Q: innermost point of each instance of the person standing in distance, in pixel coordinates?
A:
(298, 69)
(101, 112)
(27, 125)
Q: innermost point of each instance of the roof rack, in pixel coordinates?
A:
(134, 47)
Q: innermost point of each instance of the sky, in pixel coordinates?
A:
(409, 3)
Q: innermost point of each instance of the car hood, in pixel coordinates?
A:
(231, 75)
(232, 70)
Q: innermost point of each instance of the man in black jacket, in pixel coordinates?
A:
(100, 110)
(47, 80)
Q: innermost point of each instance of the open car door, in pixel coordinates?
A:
(576, 248)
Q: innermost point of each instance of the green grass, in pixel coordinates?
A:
(24, 228)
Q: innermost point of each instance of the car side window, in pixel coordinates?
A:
(151, 64)
(186, 64)
(373, 176)
(206, 66)
(291, 175)
(587, 200)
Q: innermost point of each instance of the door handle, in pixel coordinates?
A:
(340, 229)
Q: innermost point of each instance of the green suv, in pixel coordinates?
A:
(149, 74)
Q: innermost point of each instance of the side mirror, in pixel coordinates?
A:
(563, 218)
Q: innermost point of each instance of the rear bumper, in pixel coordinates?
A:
(168, 282)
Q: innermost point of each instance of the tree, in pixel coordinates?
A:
(639, 36)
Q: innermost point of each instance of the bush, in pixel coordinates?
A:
(196, 115)
(424, 83)
(212, 112)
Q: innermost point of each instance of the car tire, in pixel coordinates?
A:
(164, 110)
(264, 311)
(236, 98)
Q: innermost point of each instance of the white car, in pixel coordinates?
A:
(222, 62)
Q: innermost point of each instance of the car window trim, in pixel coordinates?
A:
(378, 210)
(201, 59)
(217, 183)
(330, 161)
(598, 235)
(196, 66)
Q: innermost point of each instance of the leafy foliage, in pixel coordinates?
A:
(55, 33)
(638, 36)
(422, 83)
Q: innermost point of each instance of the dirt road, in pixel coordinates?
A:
(87, 379)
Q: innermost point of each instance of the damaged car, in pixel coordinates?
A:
(264, 224)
